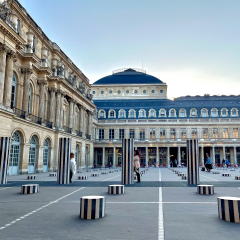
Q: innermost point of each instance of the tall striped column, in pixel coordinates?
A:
(192, 162)
(4, 158)
(64, 150)
(127, 161)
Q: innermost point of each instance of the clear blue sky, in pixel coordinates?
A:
(192, 45)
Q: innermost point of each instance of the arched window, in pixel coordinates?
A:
(45, 155)
(204, 112)
(224, 112)
(142, 113)
(234, 112)
(76, 156)
(32, 155)
(182, 113)
(30, 99)
(122, 114)
(193, 113)
(102, 114)
(14, 87)
(162, 113)
(112, 114)
(172, 113)
(152, 113)
(15, 154)
(132, 114)
(214, 112)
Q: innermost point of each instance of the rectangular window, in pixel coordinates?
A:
(194, 132)
(142, 134)
(33, 44)
(172, 133)
(132, 133)
(111, 133)
(215, 133)
(205, 133)
(235, 133)
(225, 133)
(121, 133)
(18, 26)
(152, 133)
(101, 133)
(162, 133)
(183, 133)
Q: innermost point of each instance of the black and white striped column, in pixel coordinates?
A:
(127, 161)
(184, 177)
(237, 177)
(82, 177)
(95, 174)
(31, 177)
(92, 207)
(52, 174)
(215, 172)
(115, 189)
(30, 188)
(226, 174)
(192, 162)
(205, 189)
(64, 150)
(229, 209)
(4, 158)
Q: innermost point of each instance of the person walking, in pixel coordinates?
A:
(208, 164)
(136, 163)
(72, 166)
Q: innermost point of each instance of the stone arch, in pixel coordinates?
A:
(22, 134)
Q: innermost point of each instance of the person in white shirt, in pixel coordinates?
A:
(72, 166)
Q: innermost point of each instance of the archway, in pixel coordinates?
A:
(45, 155)
(15, 154)
(32, 155)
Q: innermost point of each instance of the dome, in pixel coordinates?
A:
(128, 76)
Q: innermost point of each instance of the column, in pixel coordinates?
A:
(52, 104)
(202, 156)
(114, 156)
(58, 109)
(168, 156)
(235, 155)
(71, 103)
(3, 52)
(4, 158)
(82, 122)
(42, 84)
(103, 157)
(8, 80)
(61, 111)
(224, 154)
(213, 155)
(146, 156)
(90, 126)
(179, 156)
(157, 156)
(26, 85)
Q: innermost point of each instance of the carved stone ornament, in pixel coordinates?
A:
(6, 13)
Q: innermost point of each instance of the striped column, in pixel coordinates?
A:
(52, 174)
(92, 207)
(127, 161)
(193, 162)
(31, 177)
(115, 189)
(237, 177)
(229, 209)
(82, 177)
(29, 189)
(4, 158)
(95, 174)
(64, 149)
(226, 174)
(205, 189)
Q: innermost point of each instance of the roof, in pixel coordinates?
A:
(128, 76)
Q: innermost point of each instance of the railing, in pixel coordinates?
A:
(20, 113)
(79, 133)
(48, 124)
(67, 129)
(35, 119)
(88, 137)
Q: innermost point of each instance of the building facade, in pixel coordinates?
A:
(43, 96)
(133, 104)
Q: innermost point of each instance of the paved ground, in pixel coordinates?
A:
(162, 206)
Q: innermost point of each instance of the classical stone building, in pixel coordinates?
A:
(133, 104)
(43, 96)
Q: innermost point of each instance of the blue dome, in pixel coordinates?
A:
(128, 76)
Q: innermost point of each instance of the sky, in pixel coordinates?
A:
(193, 46)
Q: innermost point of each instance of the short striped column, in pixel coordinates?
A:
(95, 174)
(52, 174)
(226, 174)
(4, 158)
(115, 170)
(181, 174)
(30, 188)
(184, 177)
(31, 177)
(233, 170)
(205, 189)
(82, 177)
(88, 170)
(111, 171)
(115, 189)
(127, 161)
(104, 173)
(95, 170)
(92, 207)
(64, 149)
(237, 177)
(215, 172)
(192, 161)
(229, 209)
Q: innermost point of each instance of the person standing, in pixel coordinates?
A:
(136, 163)
(208, 164)
(72, 166)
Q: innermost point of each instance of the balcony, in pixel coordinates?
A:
(79, 134)
(20, 113)
(48, 124)
(67, 129)
(88, 137)
(35, 119)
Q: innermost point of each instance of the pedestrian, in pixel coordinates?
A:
(227, 163)
(72, 166)
(175, 162)
(208, 164)
(136, 163)
(223, 162)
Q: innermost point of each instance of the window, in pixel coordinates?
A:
(30, 99)
(161, 91)
(183, 133)
(144, 91)
(121, 133)
(142, 113)
(182, 113)
(214, 112)
(102, 92)
(111, 114)
(34, 44)
(225, 133)
(132, 133)
(121, 115)
(111, 133)
(205, 133)
(204, 113)
(101, 133)
(135, 91)
(162, 133)
(64, 71)
(132, 115)
(194, 132)
(110, 91)
(152, 134)
(193, 113)
(93, 92)
(234, 112)
(152, 113)
(224, 112)
(215, 133)
(102, 114)
(235, 133)
(127, 91)
(18, 26)
(142, 134)
(162, 113)
(172, 113)
(14, 86)
(153, 91)
(172, 133)
(119, 91)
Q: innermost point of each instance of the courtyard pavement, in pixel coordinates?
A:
(162, 206)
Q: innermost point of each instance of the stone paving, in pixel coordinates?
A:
(53, 213)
